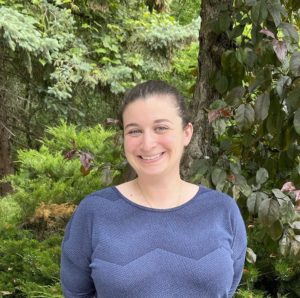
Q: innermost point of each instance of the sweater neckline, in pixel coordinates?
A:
(146, 208)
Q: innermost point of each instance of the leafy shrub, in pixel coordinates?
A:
(25, 260)
(69, 165)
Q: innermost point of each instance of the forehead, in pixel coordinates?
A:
(153, 105)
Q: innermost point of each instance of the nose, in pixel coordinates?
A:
(148, 141)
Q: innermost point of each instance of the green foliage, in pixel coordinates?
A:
(256, 124)
(26, 262)
(71, 163)
(10, 212)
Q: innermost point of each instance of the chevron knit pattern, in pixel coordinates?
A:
(114, 248)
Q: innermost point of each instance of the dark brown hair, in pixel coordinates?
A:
(155, 87)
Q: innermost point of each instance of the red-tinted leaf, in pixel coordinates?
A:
(280, 49)
(70, 154)
(267, 32)
(84, 171)
(220, 113)
(85, 160)
(112, 122)
(288, 186)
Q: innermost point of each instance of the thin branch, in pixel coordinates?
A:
(7, 129)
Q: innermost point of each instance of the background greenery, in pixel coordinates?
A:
(64, 68)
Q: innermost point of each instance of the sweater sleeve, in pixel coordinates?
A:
(239, 247)
(75, 272)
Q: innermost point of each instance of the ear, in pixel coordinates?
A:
(187, 134)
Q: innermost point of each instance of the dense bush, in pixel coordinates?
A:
(50, 182)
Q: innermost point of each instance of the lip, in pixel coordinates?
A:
(151, 158)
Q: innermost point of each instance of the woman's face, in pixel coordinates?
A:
(154, 137)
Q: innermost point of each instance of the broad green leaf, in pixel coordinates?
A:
(200, 166)
(284, 245)
(276, 9)
(295, 64)
(262, 176)
(237, 31)
(268, 212)
(235, 95)
(295, 247)
(281, 85)
(245, 189)
(221, 83)
(235, 167)
(275, 230)
(245, 116)
(290, 31)
(297, 120)
(259, 12)
(250, 256)
(262, 105)
(254, 201)
(278, 193)
(219, 126)
(287, 212)
(293, 98)
(217, 104)
(296, 226)
(218, 176)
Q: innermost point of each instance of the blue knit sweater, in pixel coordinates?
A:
(116, 248)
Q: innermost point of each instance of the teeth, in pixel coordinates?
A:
(151, 157)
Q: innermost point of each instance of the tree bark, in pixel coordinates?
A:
(5, 135)
(212, 46)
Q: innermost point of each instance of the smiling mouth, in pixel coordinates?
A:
(152, 157)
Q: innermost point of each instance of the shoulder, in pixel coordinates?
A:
(97, 200)
(217, 198)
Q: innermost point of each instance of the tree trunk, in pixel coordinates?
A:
(212, 46)
(5, 135)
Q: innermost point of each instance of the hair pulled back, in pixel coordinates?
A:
(156, 87)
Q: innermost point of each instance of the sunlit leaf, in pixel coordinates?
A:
(250, 256)
(296, 226)
(287, 212)
(278, 193)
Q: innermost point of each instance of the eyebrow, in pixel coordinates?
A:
(156, 121)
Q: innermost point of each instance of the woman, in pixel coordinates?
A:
(157, 235)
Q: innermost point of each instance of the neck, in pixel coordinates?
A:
(160, 193)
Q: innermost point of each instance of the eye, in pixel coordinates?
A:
(134, 132)
(161, 129)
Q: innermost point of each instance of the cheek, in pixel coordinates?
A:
(130, 144)
(167, 141)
